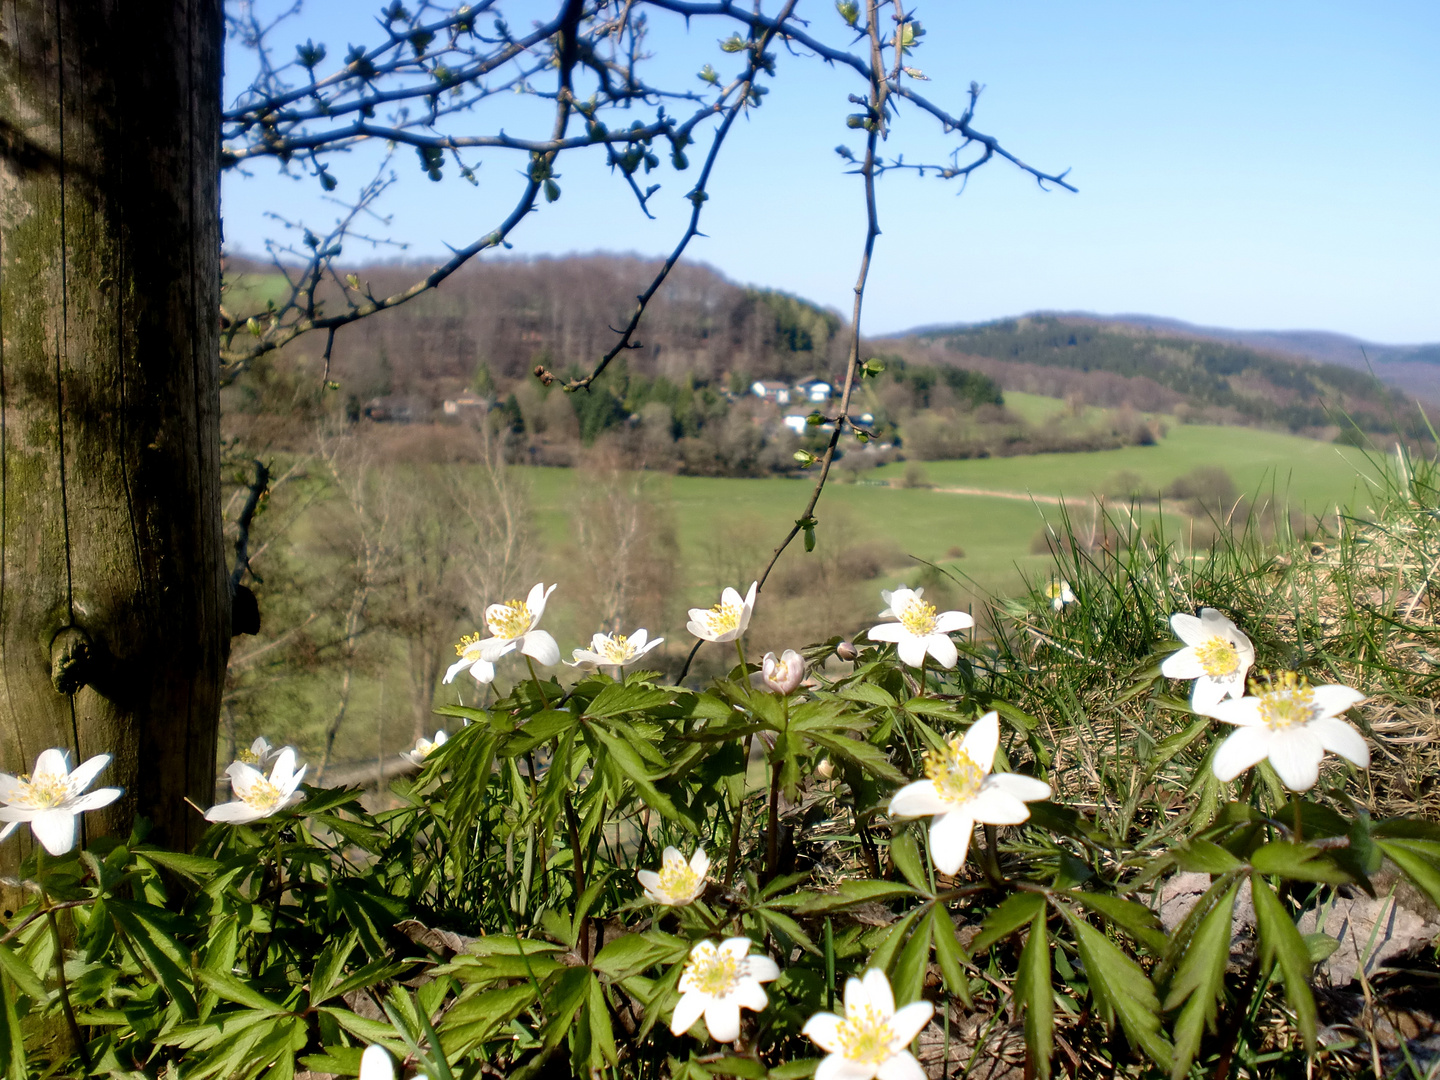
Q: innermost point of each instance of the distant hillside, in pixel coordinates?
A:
(1151, 370)
(1412, 368)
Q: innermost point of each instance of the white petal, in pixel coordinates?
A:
(243, 777)
(839, 1067)
(947, 622)
(542, 647)
(856, 996)
(730, 598)
(699, 630)
(889, 631)
(1183, 664)
(235, 813)
(688, 1009)
(750, 595)
(749, 994)
(455, 669)
(637, 640)
(1246, 746)
(1216, 623)
(1335, 699)
(375, 1064)
(982, 739)
(919, 799)
(51, 765)
(877, 989)
(722, 1018)
(762, 968)
(1341, 738)
(10, 788)
(1024, 788)
(1188, 628)
(911, 650)
(85, 774)
(648, 646)
(294, 782)
(536, 602)
(93, 800)
(483, 672)
(650, 882)
(699, 862)
(283, 771)
(1209, 692)
(1242, 712)
(950, 841)
(902, 1066)
(10, 826)
(909, 1020)
(493, 648)
(996, 806)
(18, 814)
(823, 1029)
(55, 829)
(738, 947)
(942, 649)
(1295, 755)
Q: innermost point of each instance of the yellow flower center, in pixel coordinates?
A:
(1057, 589)
(1289, 701)
(423, 747)
(262, 795)
(954, 773)
(469, 645)
(43, 793)
(722, 618)
(509, 620)
(866, 1036)
(677, 879)
(712, 971)
(248, 756)
(1218, 656)
(918, 618)
(617, 649)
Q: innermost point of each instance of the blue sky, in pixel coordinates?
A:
(1263, 164)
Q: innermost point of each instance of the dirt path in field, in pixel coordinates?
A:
(1049, 500)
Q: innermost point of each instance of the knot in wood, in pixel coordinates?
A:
(71, 654)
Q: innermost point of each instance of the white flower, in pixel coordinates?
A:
(960, 790)
(1292, 723)
(259, 753)
(727, 620)
(375, 1064)
(52, 798)
(719, 981)
(782, 674)
(1060, 594)
(615, 650)
(424, 748)
(1217, 656)
(255, 796)
(920, 629)
(471, 651)
(678, 882)
(871, 1039)
(512, 624)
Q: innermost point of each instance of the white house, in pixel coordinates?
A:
(814, 390)
(796, 422)
(777, 392)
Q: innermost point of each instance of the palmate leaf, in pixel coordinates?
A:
(1035, 994)
(851, 893)
(1121, 990)
(950, 955)
(1134, 919)
(1199, 981)
(862, 754)
(1009, 916)
(908, 976)
(1281, 944)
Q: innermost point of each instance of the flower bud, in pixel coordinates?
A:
(825, 768)
(846, 651)
(782, 675)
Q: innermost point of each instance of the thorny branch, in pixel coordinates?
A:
(433, 68)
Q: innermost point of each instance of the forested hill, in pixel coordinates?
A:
(1111, 364)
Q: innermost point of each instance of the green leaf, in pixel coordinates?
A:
(1199, 981)
(893, 937)
(1298, 862)
(867, 693)
(12, 1038)
(906, 856)
(1035, 994)
(633, 953)
(795, 1070)
(329, 967)
(1420, 862)
(22, 976)
(540, 728)
(1014, 912)
(602, 1035)
(635, 771)
(860, 754)
(143, 925)
(620, 698)
(851, 893)
(1281, 943)
(194, 868)
(1121, 989)
(482, 1017)
(1203, 857)
(908, 976)
(230, 988)
(951, 955)
(1137, 920)
(787, 929)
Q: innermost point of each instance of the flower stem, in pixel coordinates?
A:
(1299, 824)
(63, 986)
(772, 828)
(744, 667)
(739, 817)
(991, 861)
(544, 701)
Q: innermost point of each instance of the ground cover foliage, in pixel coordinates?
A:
(490, 921)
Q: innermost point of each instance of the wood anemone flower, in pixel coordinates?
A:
(1217, 655)
(678, 883)
(614, 650)
(781, 674)
(424, 748)
(513, 625)
(728, 619)
(1060, 594)
(257, 796)
(872, 1038)
(52, 798)
(717, 982)
(920, 628)
(473, 657)
(1291, 723)
(960, 790)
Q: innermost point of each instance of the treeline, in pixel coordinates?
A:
(1213, 381)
